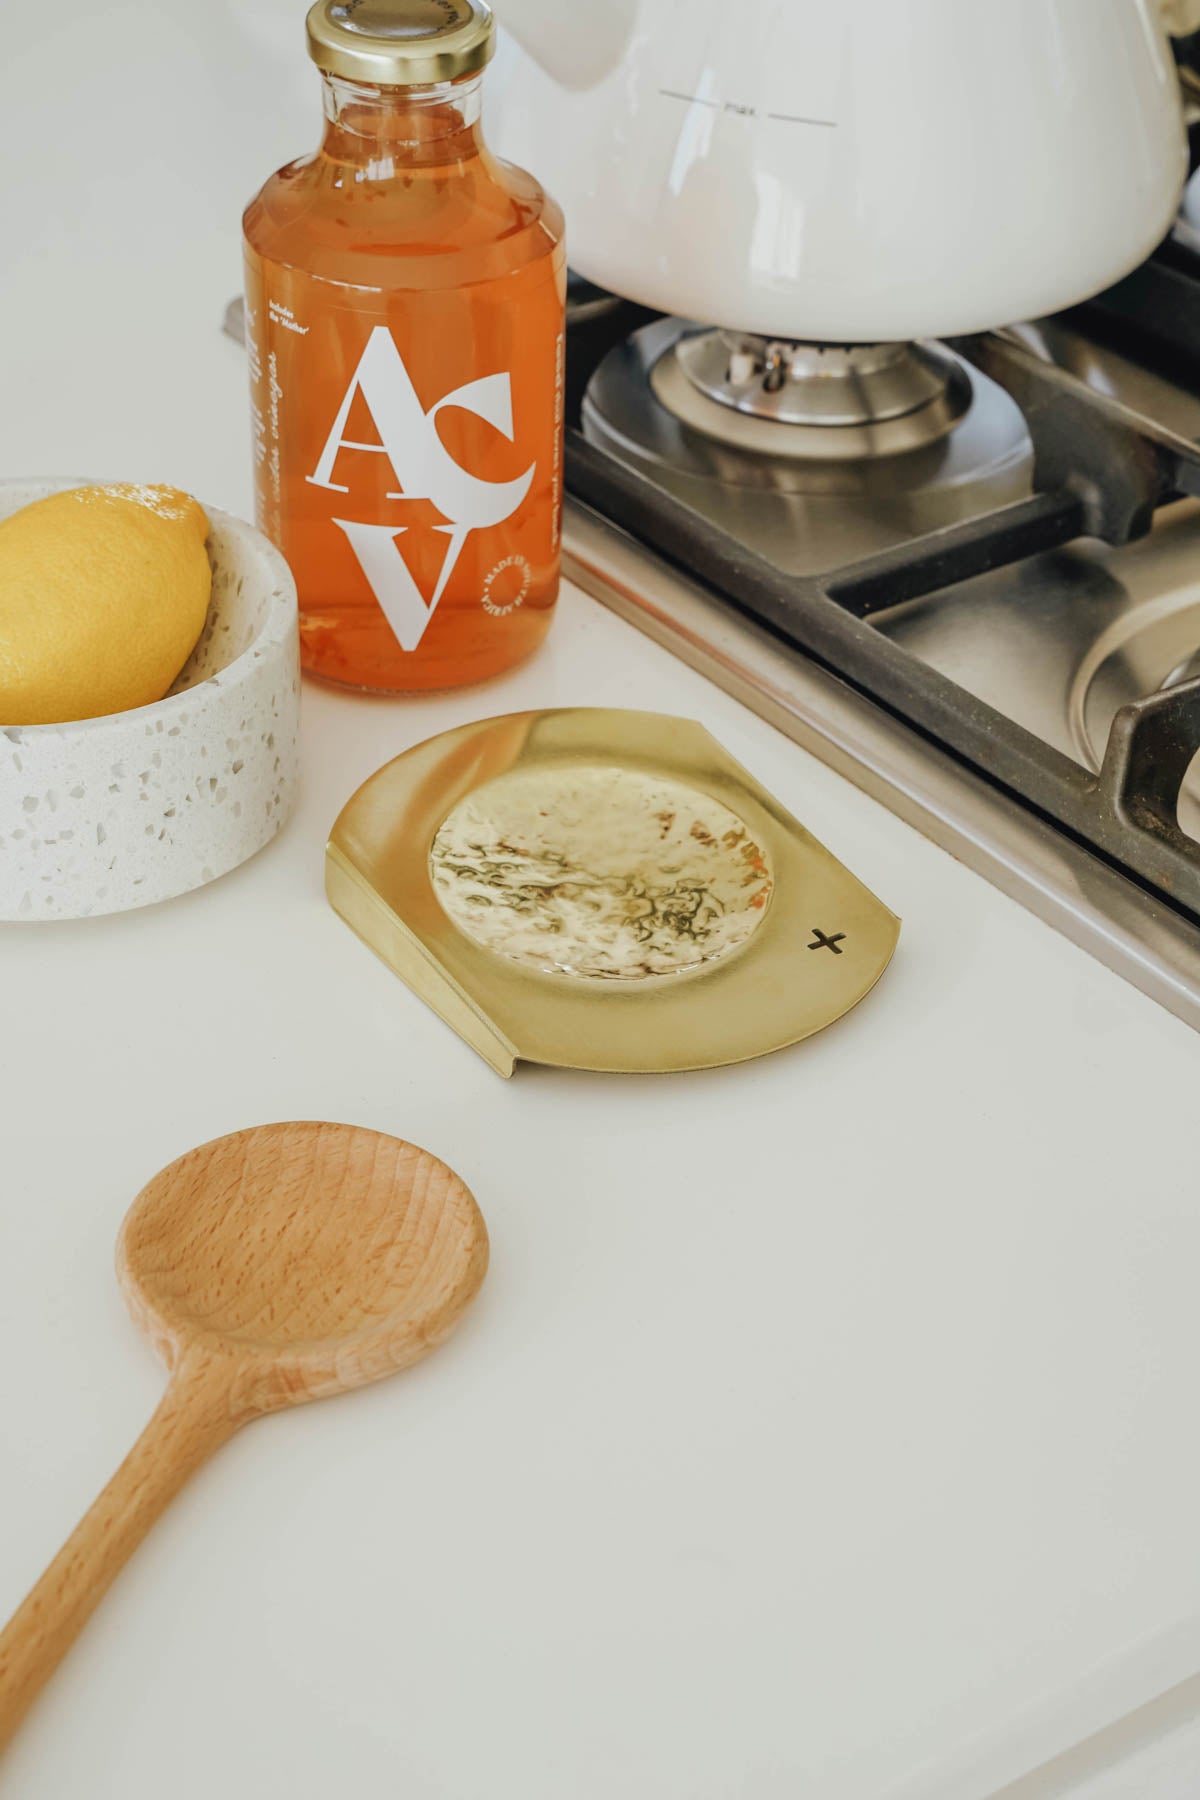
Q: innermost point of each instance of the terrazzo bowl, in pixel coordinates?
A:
(111, 814)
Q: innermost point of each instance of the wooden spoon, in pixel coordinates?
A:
(269, 1268)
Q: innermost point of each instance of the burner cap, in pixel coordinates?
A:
(811, 384)
(829, 402)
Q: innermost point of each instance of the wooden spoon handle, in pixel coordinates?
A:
(193, 1419)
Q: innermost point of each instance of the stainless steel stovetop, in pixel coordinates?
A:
(1018, 675)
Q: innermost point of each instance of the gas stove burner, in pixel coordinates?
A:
(1155, 646)
(808, 496)
(836, 401)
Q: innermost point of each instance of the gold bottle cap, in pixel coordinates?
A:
(401, 43)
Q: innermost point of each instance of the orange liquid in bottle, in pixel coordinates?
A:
(405, 301)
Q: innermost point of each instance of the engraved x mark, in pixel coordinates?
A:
(833, 943)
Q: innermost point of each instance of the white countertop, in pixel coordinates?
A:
(819, 1417)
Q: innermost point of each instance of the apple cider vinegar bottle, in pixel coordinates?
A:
(405, 297)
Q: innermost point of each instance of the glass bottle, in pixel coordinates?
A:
(405, 297)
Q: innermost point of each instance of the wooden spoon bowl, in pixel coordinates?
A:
(276, 1266)
(315, 1257)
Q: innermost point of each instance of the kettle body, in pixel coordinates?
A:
(848, 173)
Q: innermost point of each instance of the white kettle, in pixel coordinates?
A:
(848, 171)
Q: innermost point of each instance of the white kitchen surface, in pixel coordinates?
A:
(826, 1427)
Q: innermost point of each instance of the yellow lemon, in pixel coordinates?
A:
(103, 594)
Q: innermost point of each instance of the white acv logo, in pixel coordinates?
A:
(424, 470)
